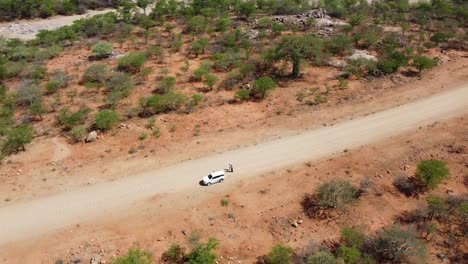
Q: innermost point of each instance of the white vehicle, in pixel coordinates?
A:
(214, 177)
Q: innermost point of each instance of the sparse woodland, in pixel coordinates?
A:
(235, 46)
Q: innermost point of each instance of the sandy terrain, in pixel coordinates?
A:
(27, 29)
(261, 209)
(34, 218)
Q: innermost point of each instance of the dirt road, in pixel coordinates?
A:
(31, 219)
(27, 29)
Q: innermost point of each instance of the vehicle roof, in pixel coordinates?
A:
(217, 173)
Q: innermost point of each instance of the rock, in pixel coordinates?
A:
(295, 224)
(122, 125)
(326, 22)
(252, 33)
(340, 64)
(362, 54)
(300, 221)
(95, 260)
(92, 136)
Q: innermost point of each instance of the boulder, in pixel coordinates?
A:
(92, 136)
(340, 64)
(362, 54)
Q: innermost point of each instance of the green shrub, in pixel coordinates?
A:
(96, 73)
(78, 133)
(120, 82)
(353, 237)
(69, 119)
(34, 72)
(211, 80)
(102, 50)
(423, 63)
(350, 255)
(223, 24)
(60, 80)
(340, 45)
(280, 255)
(132, 62)
(166, 85)
(243, 95)
(203, 253)
(175, 254)
(14, 68)
(224, 202)
(106, 119)
(262, 86)
(336, 194)
(134, 256)
(16, 139)
(322, 258)
(437, 207)
(432, 172)
(439, 37)
(161, 103)
(37, 108)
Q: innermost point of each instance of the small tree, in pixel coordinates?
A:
(134, 256)
(395, 245)
(423, 63)
(350, 255)
(322, 258)
(261, 87)
(106, 119)
(102, 50)
(280, 255)
(439, 37)
(336, 194)
(294, 49)
(432, 172)
(78, 133)
(143, 4)
(203, 253)
(16, 139)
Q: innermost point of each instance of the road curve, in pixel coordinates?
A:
(44, 215)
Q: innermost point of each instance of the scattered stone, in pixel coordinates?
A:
(92, 136)
(95, 260)
(295, 224)
(300, 221)
(252, 33)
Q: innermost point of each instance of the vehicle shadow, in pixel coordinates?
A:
(201, 183)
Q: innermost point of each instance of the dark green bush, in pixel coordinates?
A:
(106, 119)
